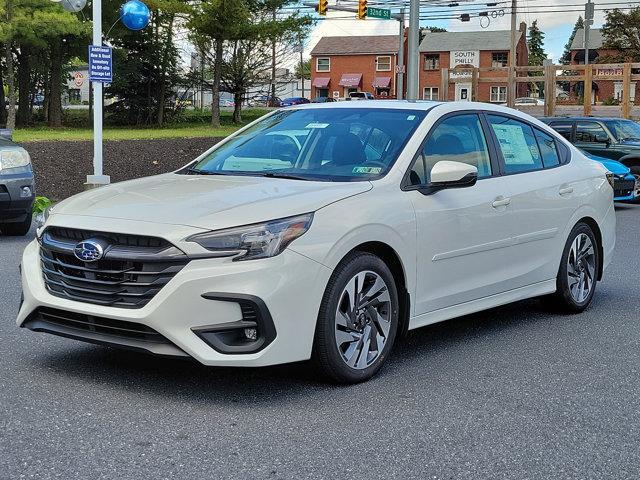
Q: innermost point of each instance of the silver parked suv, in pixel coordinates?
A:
(16, 187)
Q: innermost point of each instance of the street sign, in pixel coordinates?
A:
(100, 64)
(400, 69)
(373, 12)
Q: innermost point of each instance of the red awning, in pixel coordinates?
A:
(321, 82)
(350, 79)
(381, 82)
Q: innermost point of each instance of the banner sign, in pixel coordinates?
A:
(100, 64)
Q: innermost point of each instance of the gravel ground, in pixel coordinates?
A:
(511, 393)
(65, 165)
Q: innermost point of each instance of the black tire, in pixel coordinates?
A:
(17, 229)
(326, 354)
(563, 298)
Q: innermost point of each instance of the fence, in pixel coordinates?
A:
(577, 97)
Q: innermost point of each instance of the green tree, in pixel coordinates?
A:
(303, 69)
(566, 55)
(620, 33)
(536, 45)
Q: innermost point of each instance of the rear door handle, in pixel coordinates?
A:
(501, 202)
(565, 190)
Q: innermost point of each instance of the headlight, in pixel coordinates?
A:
(14, 158)
(42, 217)
(260, 240)
(610, 178)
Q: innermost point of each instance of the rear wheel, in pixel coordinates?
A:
(578, 272)
(358, 320)
(17, 228)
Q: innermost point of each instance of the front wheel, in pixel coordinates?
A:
(358, 320)
(578, 272)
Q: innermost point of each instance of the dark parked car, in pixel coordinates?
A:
(323, 100)
(16, 187)
(287, 102)
(614, 138)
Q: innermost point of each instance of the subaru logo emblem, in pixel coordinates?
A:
(88, 251)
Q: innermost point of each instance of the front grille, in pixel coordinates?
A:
(623, 188)
(132, 271)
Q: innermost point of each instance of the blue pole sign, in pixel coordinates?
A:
(100, 64)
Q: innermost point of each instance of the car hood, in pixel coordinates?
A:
(209, 202)
(613, 166)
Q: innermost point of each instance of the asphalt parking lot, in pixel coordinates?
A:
(515, 392)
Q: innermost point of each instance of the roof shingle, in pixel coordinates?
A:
(350, 45)
(595, 39)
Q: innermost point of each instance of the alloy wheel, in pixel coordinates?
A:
(581, 268)
(363, 319)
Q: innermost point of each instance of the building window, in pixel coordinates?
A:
(432, 62)
(430, 93)
(499, 59)
(617, 91)
(322, 92)
(498, 94)
(323, 64)
(383, 64)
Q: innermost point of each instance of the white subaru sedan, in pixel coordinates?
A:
(325, 232)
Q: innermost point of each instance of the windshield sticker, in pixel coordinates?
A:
(317, 125)
(367, 170)
(411, 117)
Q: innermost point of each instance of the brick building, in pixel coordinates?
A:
(455, 50)
(601, 89)
(340, 65)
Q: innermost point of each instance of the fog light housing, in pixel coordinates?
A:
(26, 192)
(250, 335)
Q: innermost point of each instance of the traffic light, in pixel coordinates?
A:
(362, 9)
(322, 7)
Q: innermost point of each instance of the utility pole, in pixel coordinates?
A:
(400, 75)
(588, 21)
(512, 58)
(302, 69)
(271, 102)
(413, 63)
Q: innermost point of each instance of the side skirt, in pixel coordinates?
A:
(510, 296)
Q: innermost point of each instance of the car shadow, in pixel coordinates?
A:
(192, 382)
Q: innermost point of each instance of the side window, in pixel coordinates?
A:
(548, 149)
(563, 129)
(458, 139)
(590, 132)
(517, 144)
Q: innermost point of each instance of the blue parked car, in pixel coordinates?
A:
(288, 102)
(624, 182)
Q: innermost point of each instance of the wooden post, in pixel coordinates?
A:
(474, 84)
(588, 76)
(444, 84)
(550, 94)
(511, 88)
(626, 90)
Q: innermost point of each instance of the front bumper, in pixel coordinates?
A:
(289, 285)
(14, 206)
(624, 187)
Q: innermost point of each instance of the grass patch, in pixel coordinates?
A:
(186, 129)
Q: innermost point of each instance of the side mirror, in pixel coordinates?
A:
(447, 174)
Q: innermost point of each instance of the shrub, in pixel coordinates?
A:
(40, 204)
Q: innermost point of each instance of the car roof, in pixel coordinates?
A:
(597, 119)
(390, 104)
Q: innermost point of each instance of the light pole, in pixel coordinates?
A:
(413, 63)
(97, 179)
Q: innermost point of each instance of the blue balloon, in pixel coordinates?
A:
(135, 15)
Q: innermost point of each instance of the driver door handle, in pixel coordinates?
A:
(501, 202)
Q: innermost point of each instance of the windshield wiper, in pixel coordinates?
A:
(282, 175)
(195, 171)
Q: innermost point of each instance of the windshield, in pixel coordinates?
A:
(316, 144)
(624, 129)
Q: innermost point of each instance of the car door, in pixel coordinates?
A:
(463, 234)
(542, 196)
(592, 137)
